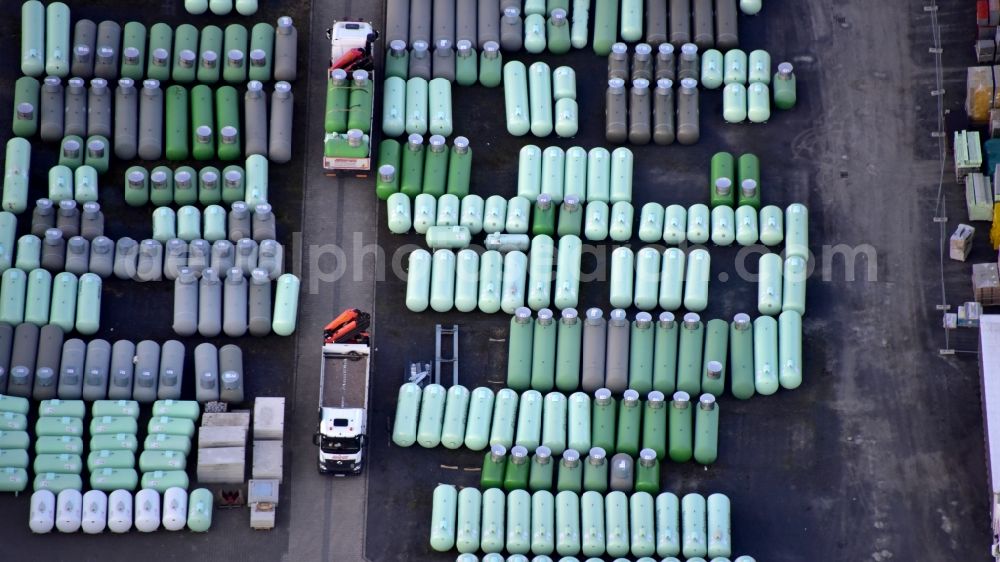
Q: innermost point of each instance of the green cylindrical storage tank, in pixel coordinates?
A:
(622, 271)
(647, 472)
(186, 409)
(515, 265)
(706, 427)
(629, 424)
(681, 421)
(471, 211)
(570, 477)
(698, 224)
(115, 408)
(605, 26)
(17, 440)
(540, 98)
(12, 296)
(57, 39)
(442, 296)
(696, 280)
(542, 523)
(57, 408)
(10, 421)
(651, 223)
(723, 226)
(119, 442)
(603, 420)
(554, 422)
(411, 180)
(642, 525)
(465, 63)
(105, 458)
(794, 277)
(110, 479)
(570, 214)
(675, 224)
(540, 473)
(693, 524)
(640, 370)
(418, 281)
(161, 480)
(518, 522)
(654, 424)
(160, 47)
(466, 280)
(88, 304)
(596, 221)
(14, 405)
(553, 173)
(71, 151)
(37, 299)
(467, 536)
(723, 167)
(261, 52)
(592, 528)
(15, 177)
(616, 524)
(163, 442)
(56, 427)
(772, 226)
(543, 354)
(455, 416)
(199, 513)
(14, 458)
(578, 424)
(404, 430)
(504, 418)
(136, 186)
(720, 544)
(477, 428)
(228, 123)
(203, 130)
(210, 53)
(747, 232)
(178, 135)
(61, 183)
(748, 181)
(424, 212)
(671, 279)
(286, 301)
(169, 426)
(15, 480)
(534, 33)
(492, 533)
(567, 524)
(435, 178)
(713, 380)
(51, 444)
(690, 353)
(647, 277)
(529, 172)
(568, 342)
(765, 355)
(598, 175)
(622, 163)
(790, 349)
(431, 418)
(234, 47)
(758, 103)
(668, 532)
(459, 167)
(25, 120)
(515, 82)
(490, 281)
(33, 61)
(784, 86)
(494, 466)
(416, 119)
(185, 58)
(387, 181)
(338, 91)
(769, 285)
(443, 517)
(797, 231)
(529, 420)
(63, 301)
(133, 51)
(734, 103)
(490, 62)
(543, 220)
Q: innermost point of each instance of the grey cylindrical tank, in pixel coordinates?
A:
(84, 46)
(109, 38)
(286, 40)
(53, 250)
(680, 21)
(150, 264)
(77, 255)
(121, 371)
(618, 62)
(616, 111)
(234, 315)
(488, 25)
(663, 111)
(271, 258)
(22, 360)
(231, 374)
(199, 255)
(99, 108)
(74, 352)
(239, 222)
(175, 257)
(126, 137)
(616, 370)
(95, 370)
(639, 106)
(43, 217)
(75, 121)
(171, 370)
(223, 256)
(511, 29)
(102, 256)
(444, 21)
(6, 343)
(443, 63)
(91, 220)
(150, 121)
(595, 337)
(703, 30)
(420, 60)
(147, 371)
(50, 343)
(642, 62)
(260, 303)
(206, 372)
(621, 477)
(68, 218)
(666, 65)
(397, 17)
(246, 255)
(126, 258)
(465, 21)
(688, 129)
(687, 64)
(263, 223)
(420, 21)
(185, 303)
(280, 138)
(209, 304)
(255, 119)
(52, 110)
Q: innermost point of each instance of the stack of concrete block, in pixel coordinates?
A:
(268, 435)
(222, 442)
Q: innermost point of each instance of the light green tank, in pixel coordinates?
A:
(712, 63)
(651, 223)
(164, 442)
(106, 458)
(642, 524)
(647, 278)
(567, 282)
(534, 33)
(596, 222)
(528, 432)
(723, 226)
(404, 430)
(416, 106)
(784, 86)
(13, 290)
(161, 480)
(622, 271)
(554, 422)
(477, 428)
(115, 442)
(518, 522)
(186, 409)
(10, 421)
(713, 380)
(693, 520)
(720, 544)
(790, 349)
(110, 479)
(794, 284)
(286, 301)
(431, 420)
(515, 265)
(14, 404)
(56, 427)
(471, 212)
(62, 408)
(504, 417)
(394, 107)
(455, 417)
(772, 230)
(734, 102)
(170, 426)
(540, 260)
(797, 231)
(765, 355)
(592, 528)
(599, 175)
(466, 280)
(617, 524)
(493, 529)
(758, 103)
(199, 513)
(14, 458)
(443, 516)
(53, 444)
(578, 424)
(675, 224)
(622, 162)
(33, 39)
(769, 285)
(735, 71)
(696, 280)
(553, 173)
(698, 224)
(467, 526)
(490, 281)
(567, 524)
(746, 225)
(12, 481)
(515, 90)
(668, 535)
(518, 211)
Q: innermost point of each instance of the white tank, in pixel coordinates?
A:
(120, 511)
(69, 510)
(147, 510)
(95, 512)
(175, 503)
(43, 511)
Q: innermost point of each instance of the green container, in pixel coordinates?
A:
(790, 349)
(210, 54)
(13, 404)
(185, 186)
(171, 426)
(388, 155)
(14, 458)
(784, 86)
(519, 350)
(234, 55)
(136, 186)
(681, 447)
(133, 51)
(10, 421)
(706, 430)
(61, 184)
(411, 180)
(52, 481)
(53, 444)
(540, 476)
(602, 423)
(629, 424)
(150, 461)
(338, 91)
(647, 472)
(163, 442)
(70, 153)
(534, 33)
(161, 480)
(713, 379)
(569, 335)
(55, 427)
(772, 226)
(758, 103)
(33, 38)
(641, 351)
(397, 60)
(113, 425)
(494, 467)
(517, 470)
(176, 123)
(459, 167)
(605, 26)
(595, 471)
(202, 123)
(504, 418)
(665, 354)
(110, 479)
(286, 302)
(116, 442)
(741, 350)
(25, 121)
(689, 357)
(57, 408)
(592, 524)
(723, 168)
(64, 291)
(554, 422)
(747, 232)
(543, 220)
(85, 184)
(435, 178)
(185, 59)
(557, 32)
(465, 63)
(106, 458)
(38, 297)
(529, 420)
(186, 409)
(228, 123)
(209, 188)
(490, 65)
(570, 477)
(63, 463)
(654, 424)
(359, 115)
(748, 180)
(200, 503)
(161, 38)
(543, 355)
(261, 52)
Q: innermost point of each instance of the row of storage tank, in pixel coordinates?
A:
(184, 54)
(235, 306)
(39, 364)
(597, 175)
(679, 429)
(207, 186)
(221, 7)
(65, 301)
(529, 94)
(175, 123)
(494, 557)
(570, 524)
(416, 107)
(462, 66)
(665, 356)
(706, 23)
(214, 223)
(349, 102)
(118, 512)
(412, 169)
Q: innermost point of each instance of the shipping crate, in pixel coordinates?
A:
(985, 50)
(269, 418)
(267, 460)
(986, 284)
(961, 242)
(228, 419)
(222, 465)
(979, 93)
(968, 154)
(979, 197)
(222, 436)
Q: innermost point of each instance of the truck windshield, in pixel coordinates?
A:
(341, 446)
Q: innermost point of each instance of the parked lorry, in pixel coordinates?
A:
(350, 98)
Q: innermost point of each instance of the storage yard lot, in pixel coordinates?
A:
(879, 456)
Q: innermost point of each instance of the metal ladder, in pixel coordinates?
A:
(440, 330)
